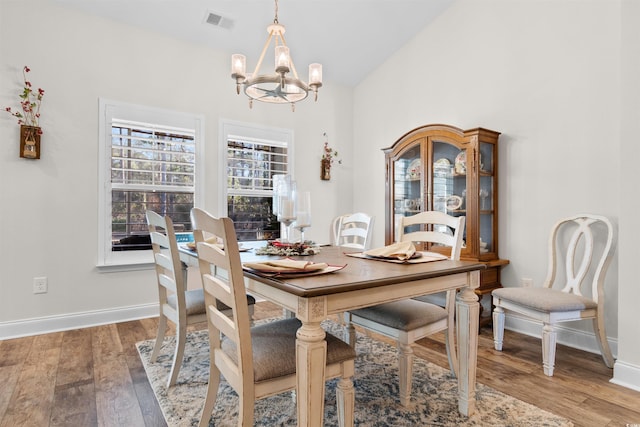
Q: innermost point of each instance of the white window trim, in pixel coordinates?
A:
(109, 260)
(255, 132)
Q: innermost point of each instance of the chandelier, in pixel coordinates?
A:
(277, 88)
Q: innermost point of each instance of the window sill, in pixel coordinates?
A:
(134, 266)
(126, 261)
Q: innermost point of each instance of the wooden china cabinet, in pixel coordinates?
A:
(443, 168)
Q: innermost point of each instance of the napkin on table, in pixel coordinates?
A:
(213, 240)
(284, 265)
(401, 250)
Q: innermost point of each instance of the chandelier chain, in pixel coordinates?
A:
(275, 19)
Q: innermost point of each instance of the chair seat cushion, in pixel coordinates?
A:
(222, 306)
(274, 349)
(194, 300)
(545, 299)
(405, 315)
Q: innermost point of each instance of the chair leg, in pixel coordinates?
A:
(162, 328)
(350, 332)
(450, 336)
(212, 396)
(346, 398)
(245, 412)
(498, 327)
(251, 311)
(405, 372)
(181, 338)
(603, 343)
(452, 354)
(548, 349)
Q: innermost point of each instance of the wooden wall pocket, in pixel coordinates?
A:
(325, 169)
(30, 142)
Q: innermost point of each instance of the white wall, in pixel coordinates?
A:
(48, 210)
(547, 74)
(627, 367)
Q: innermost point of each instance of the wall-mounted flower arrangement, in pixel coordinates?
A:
(329, 156)
(29, 118)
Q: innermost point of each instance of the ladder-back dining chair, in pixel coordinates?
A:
(586, 243)
(177, 304)
(257, 361)
(355, 231)
(409, 320)
(334, 229)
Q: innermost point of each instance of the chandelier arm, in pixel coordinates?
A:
(264, 51)
(293, 67)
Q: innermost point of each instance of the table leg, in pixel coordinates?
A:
(311, 355)
(467, 312)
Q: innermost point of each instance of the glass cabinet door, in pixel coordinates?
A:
(486, 196)
(408, 186)
(449, 181)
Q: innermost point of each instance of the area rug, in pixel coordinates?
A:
(434, 394)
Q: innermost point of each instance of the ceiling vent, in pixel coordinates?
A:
(218, 20)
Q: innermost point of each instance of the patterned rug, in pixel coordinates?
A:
(434, 393)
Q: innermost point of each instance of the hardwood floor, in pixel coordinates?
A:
(94, 377)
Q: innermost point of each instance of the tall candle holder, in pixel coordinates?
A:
(286, 204)
(303, 213)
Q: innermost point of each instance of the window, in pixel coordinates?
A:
(149, 160)
(252, 156)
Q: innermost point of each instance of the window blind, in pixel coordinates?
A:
(251, 166)
(152, 167)
(147, 157)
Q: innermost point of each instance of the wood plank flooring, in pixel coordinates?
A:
(94, 377)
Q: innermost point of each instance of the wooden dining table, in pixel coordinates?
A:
(362, 283)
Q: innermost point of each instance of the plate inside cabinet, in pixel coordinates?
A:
(442, 163)
(461, 163)
(454, 202)
(414, 171)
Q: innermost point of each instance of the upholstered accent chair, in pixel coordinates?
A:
(586, 244)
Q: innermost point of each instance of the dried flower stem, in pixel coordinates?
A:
(30, 104)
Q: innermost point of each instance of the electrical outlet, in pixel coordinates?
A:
(40, 285)
(526, 283)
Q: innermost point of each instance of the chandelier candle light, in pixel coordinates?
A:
(275, 88)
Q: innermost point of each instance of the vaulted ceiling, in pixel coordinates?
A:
(349, 38)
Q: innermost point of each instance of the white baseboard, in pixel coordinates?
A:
(43, 325)
(570, 337)
(626, 375)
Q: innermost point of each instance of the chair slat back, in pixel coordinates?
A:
(166, 257)
(430, 220)
(334, 229)
(579, 251)
(223, 280)
(355, 231)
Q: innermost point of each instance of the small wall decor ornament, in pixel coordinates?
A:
(28, 118)
(329, 155)
(30, 142)
(325, 170)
